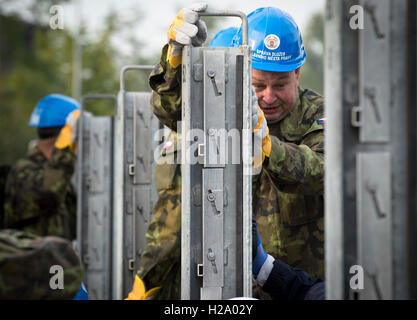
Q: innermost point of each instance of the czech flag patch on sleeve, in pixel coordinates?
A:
(322, 121)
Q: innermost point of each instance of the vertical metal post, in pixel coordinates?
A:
(412, 141)
(216, 193)
(334, 189)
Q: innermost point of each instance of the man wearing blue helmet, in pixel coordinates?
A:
(39, 196)
(292, 179)
(288, 193)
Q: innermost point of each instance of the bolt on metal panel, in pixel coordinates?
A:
(212, 241)
(214, 108)
(216, 194)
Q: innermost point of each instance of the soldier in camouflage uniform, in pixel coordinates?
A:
(39, 196)
(20, 250)
(288, 192)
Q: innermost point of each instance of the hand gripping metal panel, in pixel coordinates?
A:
(135, 194)
(216, 195)
(94, 203)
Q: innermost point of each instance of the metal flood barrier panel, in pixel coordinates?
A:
(115, 190)
(94, 199)
(370, 149)
(216, 194)
(135, 194)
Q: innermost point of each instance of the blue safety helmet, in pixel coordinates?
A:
(275, 39)
(224, 37)
(52, 111)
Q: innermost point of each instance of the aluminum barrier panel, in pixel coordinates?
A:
(370, 149)
(216, 194)
(135, 192)
(94, 200)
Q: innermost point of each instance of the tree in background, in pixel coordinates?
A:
(312, 72)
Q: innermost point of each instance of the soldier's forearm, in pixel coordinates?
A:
(296, 168)
(165, 82)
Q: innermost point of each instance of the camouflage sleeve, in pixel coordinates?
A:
(161, 261)
(33, 267)
(298, 168)
(165, 82)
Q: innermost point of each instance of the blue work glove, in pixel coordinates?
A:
(82, 294)
(258, 254)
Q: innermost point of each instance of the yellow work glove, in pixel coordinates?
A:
(187, 28)
(262, 144)
(68, 134)
(139, 292)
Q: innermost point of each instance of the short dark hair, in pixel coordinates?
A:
(45, 133)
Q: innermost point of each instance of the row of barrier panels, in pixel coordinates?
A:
(115, 188)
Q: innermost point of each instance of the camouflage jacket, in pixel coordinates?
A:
(25, 267)
(39, 196)
(287, 194)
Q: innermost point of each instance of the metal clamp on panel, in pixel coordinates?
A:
(355, 118)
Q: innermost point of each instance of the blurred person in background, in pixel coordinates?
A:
(39, 196)
(26, 261)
